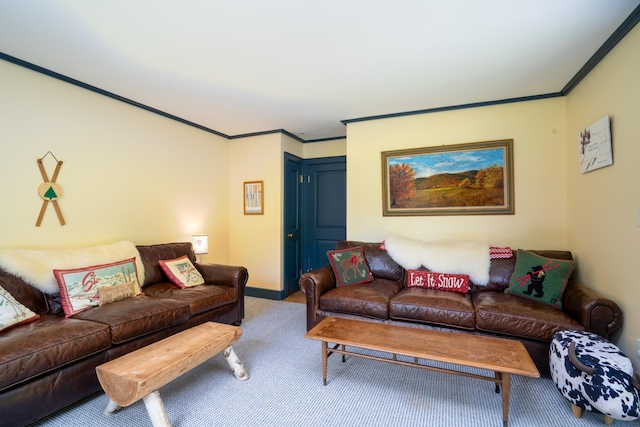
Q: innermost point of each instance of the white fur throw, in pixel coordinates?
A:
(36, 266)
(442, 256)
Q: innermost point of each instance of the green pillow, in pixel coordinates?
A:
(349, 266)
(540, 278)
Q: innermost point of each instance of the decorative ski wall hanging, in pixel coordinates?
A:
(49, 191)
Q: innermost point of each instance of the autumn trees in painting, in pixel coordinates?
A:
(481, 188)
(401, 183)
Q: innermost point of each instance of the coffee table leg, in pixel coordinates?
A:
(325, 355)
(235, 364)
(506, 389)
(156, 410)
(498, 381)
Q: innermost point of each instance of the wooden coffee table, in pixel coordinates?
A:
(502, 356)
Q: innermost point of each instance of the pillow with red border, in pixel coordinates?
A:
(441, 281)
(181, 272)
(79, 286)
(12, 313)
(349, 266)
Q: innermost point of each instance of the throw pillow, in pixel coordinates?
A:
(441, 281)
(13, 313)
(181, 272)
(109, 294)
(79, 286)
(540, 278)
(349, 266)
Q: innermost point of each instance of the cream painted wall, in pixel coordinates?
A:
(336, 147)
(257, 239)
(127, 173)
(538, 131)
(603, 205)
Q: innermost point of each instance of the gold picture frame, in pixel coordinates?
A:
(462, 179)
(253, 197)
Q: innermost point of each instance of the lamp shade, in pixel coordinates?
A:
(201, 243)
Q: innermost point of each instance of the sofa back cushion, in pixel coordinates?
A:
(24, 293)
(502, 269)
(151, 254)
(380, 263)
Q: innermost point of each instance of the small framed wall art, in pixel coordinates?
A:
(595, 146)
(253, 198)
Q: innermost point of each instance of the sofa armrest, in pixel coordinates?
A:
(313, 284)
(595, 312)
(226, 275)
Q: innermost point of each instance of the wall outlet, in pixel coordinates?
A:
(638, 348)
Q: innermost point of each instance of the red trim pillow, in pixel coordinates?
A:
(441, 281)
(181, 272)
(12, 313)
(79, 286)
(349, 266)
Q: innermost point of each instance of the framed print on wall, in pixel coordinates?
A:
(254, 198)
(595, 146)
(461, 179)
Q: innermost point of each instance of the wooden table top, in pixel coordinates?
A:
(495, 354)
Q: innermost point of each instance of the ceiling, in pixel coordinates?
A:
(242, 67)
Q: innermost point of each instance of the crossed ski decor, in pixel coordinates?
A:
(49, 191)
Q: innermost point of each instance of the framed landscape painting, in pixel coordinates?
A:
(462, 179)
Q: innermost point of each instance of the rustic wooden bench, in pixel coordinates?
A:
(139, 374)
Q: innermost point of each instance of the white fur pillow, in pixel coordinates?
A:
(443, 256)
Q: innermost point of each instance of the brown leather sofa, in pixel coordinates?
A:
(486, 310)
(50, 363)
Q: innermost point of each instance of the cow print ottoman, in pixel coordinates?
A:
(592, 373)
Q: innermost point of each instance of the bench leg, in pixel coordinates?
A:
(156, 410)
(235, 364)
(111, 407)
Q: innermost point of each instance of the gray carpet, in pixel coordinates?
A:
(285, 389)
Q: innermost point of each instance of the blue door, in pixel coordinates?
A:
(315, 214)
(325, 219)
(293, 206)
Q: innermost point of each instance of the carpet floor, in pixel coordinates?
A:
(285, 389)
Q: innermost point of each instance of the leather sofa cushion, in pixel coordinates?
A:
(134, 317)
(49, 343)
(520, 317)
(200, 299)
(151, 254)
(433, 306)
(380, 263)
(368, 299)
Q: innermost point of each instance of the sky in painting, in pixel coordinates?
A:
(450, 162)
